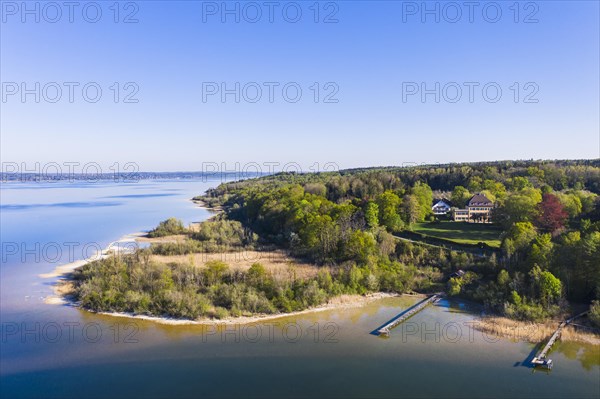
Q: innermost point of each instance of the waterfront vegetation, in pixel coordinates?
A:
(132, 283)
(546, 237)
(167, 227)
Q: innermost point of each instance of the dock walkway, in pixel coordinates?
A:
(542, 358)
(385, 329)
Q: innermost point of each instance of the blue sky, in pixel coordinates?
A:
(367, 61)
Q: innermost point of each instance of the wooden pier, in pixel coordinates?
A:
(542, 358)
(385, 329)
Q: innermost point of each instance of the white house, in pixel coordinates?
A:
(440, 207)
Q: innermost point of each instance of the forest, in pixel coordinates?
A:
(349, 225)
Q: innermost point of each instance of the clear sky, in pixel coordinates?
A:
(371, 61)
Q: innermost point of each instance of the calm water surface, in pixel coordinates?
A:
(59, 351)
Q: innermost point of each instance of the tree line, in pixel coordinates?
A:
(345, 222)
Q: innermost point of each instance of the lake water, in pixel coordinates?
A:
(55, 351)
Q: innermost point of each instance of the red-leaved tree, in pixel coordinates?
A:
(551, 214)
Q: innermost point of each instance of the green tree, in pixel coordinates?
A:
(167, 227)
(214, 271)
(536, 172)
(475, 183)
(386, 243)
(521, 234)
(355, 277)
(424, 196)
(389, 204)
(589, 273)
(257, 275)
(550, 288)
(521, 207)
(460, 196)
(515, 298)
(495, 188)
(454, 286)
(588, 200)
(360, 246)
(541, 250)
(316, 189)
(372, 214)
(571, 203)
(503, 278)
(519, 183)
(508, 246)
(325, 280)
(410, 209)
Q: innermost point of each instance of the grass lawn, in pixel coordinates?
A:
(461, 232)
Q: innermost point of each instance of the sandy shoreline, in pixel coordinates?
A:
(495, 325)
(341, 302)
(125, 244)
(499, 326)
(63, 288)
(204, 205)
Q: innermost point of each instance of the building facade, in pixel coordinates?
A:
(441, 207)
(478, 210)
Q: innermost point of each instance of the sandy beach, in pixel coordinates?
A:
(125, 244)
(279, 263)
(276, 260)
(340, 302)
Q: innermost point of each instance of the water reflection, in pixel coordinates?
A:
(173, 360)
(587, 354)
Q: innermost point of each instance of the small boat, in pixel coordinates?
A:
(542, 362)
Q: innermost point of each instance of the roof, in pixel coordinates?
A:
(480, 200)
(441, 202)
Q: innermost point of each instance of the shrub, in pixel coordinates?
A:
(220, 313)
(167, 227)
(312, 295)
(224, 233)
